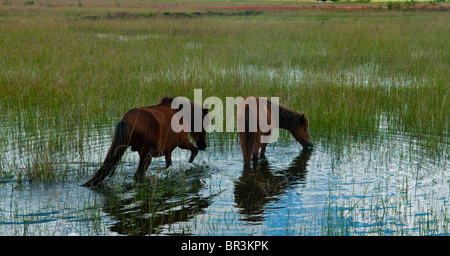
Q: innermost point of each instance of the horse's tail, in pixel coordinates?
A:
(248, 138)
(118, 147)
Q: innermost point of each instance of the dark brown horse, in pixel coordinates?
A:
(149, 131)
(250, 140)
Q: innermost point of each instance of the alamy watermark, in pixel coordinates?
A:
(257, 110)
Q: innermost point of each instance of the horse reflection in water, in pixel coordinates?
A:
(146, 208)
(259, 186)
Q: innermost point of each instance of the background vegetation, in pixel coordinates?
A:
(65, 70)
(374, 83)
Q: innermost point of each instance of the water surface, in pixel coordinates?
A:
(381, 186)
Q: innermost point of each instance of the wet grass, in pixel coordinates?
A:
(361, 77)
(344, 70)
(79, 69)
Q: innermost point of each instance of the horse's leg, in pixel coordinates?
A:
(186, 144)
(264, 145)
(194, 152)
(256, 146)
(168, 159)
(255, 157)
(144, 163)
(263, 150)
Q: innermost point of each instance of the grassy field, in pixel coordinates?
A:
(373, 81)
(68, 68)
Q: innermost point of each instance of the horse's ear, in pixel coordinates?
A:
(303, 119)
(165, 99)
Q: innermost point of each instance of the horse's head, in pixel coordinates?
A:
(300, 132)
(199, 136)
(189, 117)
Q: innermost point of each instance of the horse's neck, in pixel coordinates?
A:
(284, 121)
(283, 124)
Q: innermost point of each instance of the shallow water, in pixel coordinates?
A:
(287, 76)
(385, 186)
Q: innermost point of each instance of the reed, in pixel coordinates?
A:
(63, 71)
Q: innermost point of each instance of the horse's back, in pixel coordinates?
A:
(157, 114)
(151, 128)
(247, 116)
(248, 111)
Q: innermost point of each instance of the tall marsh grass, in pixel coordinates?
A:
(62, 72)
(374, 85)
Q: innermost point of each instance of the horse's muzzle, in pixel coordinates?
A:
(307, 144)
(201, 146)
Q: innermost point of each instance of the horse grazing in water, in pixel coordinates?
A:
(250, 140)
(149, 131)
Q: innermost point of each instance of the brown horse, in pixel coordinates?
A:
(148, 131)
(250, 140)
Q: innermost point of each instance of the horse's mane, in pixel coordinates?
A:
(165, 99)
(290, 117)
(169, 100)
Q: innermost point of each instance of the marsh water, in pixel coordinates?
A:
(390, 185)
